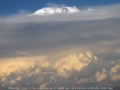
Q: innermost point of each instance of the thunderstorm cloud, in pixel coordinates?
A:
(61, 46)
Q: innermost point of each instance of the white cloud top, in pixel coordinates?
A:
(56, 10)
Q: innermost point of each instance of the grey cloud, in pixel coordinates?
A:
(41, 37)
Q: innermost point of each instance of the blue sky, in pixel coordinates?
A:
(8, 7)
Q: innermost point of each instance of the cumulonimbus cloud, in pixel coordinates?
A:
(62, 39)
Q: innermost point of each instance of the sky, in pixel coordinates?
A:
(60, 43)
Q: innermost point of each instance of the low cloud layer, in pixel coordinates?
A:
(67, 49)
(83, 69)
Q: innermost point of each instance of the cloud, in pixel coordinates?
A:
(72, 70)
(100, 76)
(75, 62)
(55, 10)
(20, 63)
(90, 13)
(66, 49)
(115, 73)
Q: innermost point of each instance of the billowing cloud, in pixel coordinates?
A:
(72, 70)
(74, 62)
(55, 10)
(115, 73)
(62, 48)
(100, 76)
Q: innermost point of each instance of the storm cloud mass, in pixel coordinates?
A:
(62, 49)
